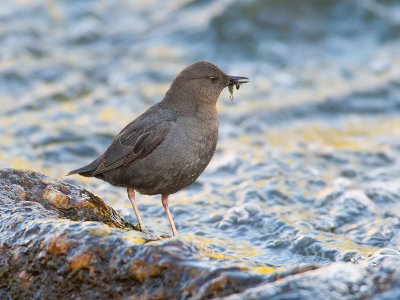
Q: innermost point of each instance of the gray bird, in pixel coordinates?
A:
(167, 147)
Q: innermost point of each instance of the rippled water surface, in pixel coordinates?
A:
(307, 165)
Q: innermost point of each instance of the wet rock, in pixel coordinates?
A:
(60, 241)
(67, 200)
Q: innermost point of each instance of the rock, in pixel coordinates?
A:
(66, 200)
(60, 241)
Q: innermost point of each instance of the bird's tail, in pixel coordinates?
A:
(87, 170)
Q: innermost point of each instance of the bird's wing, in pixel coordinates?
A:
(137, 140)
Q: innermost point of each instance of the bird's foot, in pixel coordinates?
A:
(157, 237)
(142, 228)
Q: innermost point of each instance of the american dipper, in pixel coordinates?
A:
(167, 147)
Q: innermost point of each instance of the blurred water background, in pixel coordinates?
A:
(307, 165)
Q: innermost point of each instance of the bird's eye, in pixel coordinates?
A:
(213, 78)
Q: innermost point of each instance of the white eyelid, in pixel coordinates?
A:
(213, 77)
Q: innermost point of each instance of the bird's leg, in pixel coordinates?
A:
(131, 195)
(164, 200)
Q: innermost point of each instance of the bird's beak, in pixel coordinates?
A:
(236, 80)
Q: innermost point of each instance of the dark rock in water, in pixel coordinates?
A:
(60, 241)
(33, 191)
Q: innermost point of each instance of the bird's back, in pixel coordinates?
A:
(135, 141)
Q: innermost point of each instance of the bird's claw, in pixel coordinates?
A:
(142, 229)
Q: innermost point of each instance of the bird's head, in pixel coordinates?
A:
(202, 82)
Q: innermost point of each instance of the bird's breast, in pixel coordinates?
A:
(199, 137)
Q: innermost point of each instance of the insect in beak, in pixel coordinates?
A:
(235, 81)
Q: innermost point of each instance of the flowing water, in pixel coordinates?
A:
(308, 162)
